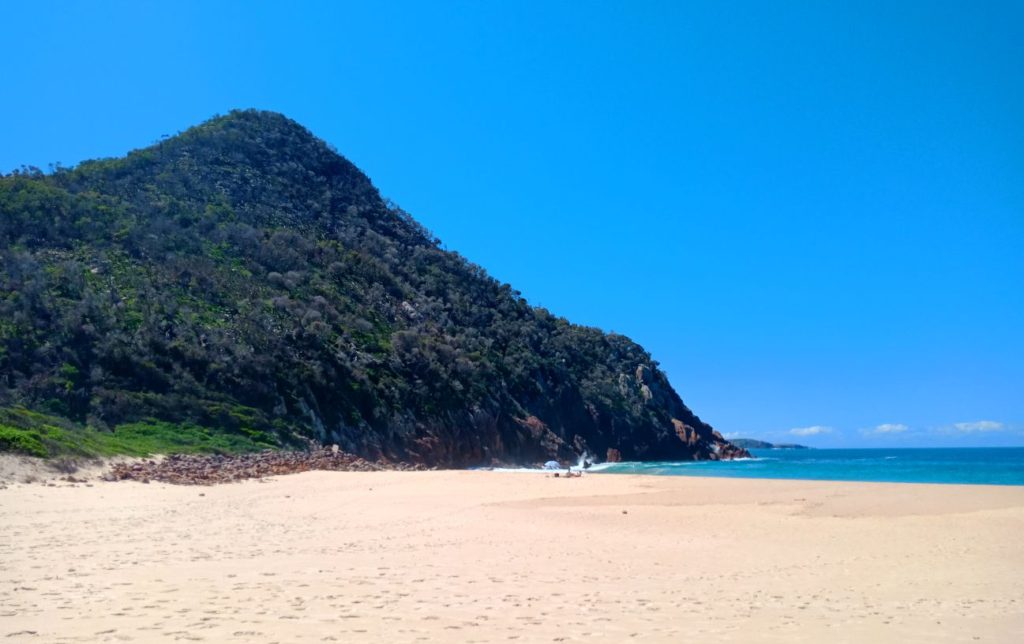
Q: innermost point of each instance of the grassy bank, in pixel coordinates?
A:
(34, 434)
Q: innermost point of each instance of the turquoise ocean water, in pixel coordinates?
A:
(993, 466)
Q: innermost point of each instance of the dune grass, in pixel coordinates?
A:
(27, 432)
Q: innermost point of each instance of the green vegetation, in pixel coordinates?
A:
(241, 284)
(21, 441)
(35, 434)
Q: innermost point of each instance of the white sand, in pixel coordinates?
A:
(499, 557)
(29, 469)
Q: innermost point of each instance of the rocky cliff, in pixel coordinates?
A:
(244, 278)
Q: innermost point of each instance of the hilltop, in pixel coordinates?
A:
(241, 286)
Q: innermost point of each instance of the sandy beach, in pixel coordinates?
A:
(499, 557)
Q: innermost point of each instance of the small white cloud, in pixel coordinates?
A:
(732, 434)
(810, 431)
(978, 426)
(889, 428)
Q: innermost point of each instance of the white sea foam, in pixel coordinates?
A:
(638, 467)
(963, 466)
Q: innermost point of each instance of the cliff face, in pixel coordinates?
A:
(244, 277)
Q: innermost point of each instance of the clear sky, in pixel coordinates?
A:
(811, 213)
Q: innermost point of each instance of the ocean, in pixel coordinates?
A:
(982, 465)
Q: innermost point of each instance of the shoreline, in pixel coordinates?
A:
(491, 556)
(211, 469)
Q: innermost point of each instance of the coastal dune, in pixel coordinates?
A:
(502, 556)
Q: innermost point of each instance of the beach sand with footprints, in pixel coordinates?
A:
(502, 557)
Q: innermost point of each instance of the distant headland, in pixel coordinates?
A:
(753, 443)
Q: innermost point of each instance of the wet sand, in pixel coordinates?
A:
(505, 557)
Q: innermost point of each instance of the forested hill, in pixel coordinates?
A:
(244, 281)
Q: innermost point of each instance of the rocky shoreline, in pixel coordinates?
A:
(207, 469)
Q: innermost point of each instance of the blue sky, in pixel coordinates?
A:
(812, 214)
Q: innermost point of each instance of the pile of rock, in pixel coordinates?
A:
(204, 469)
